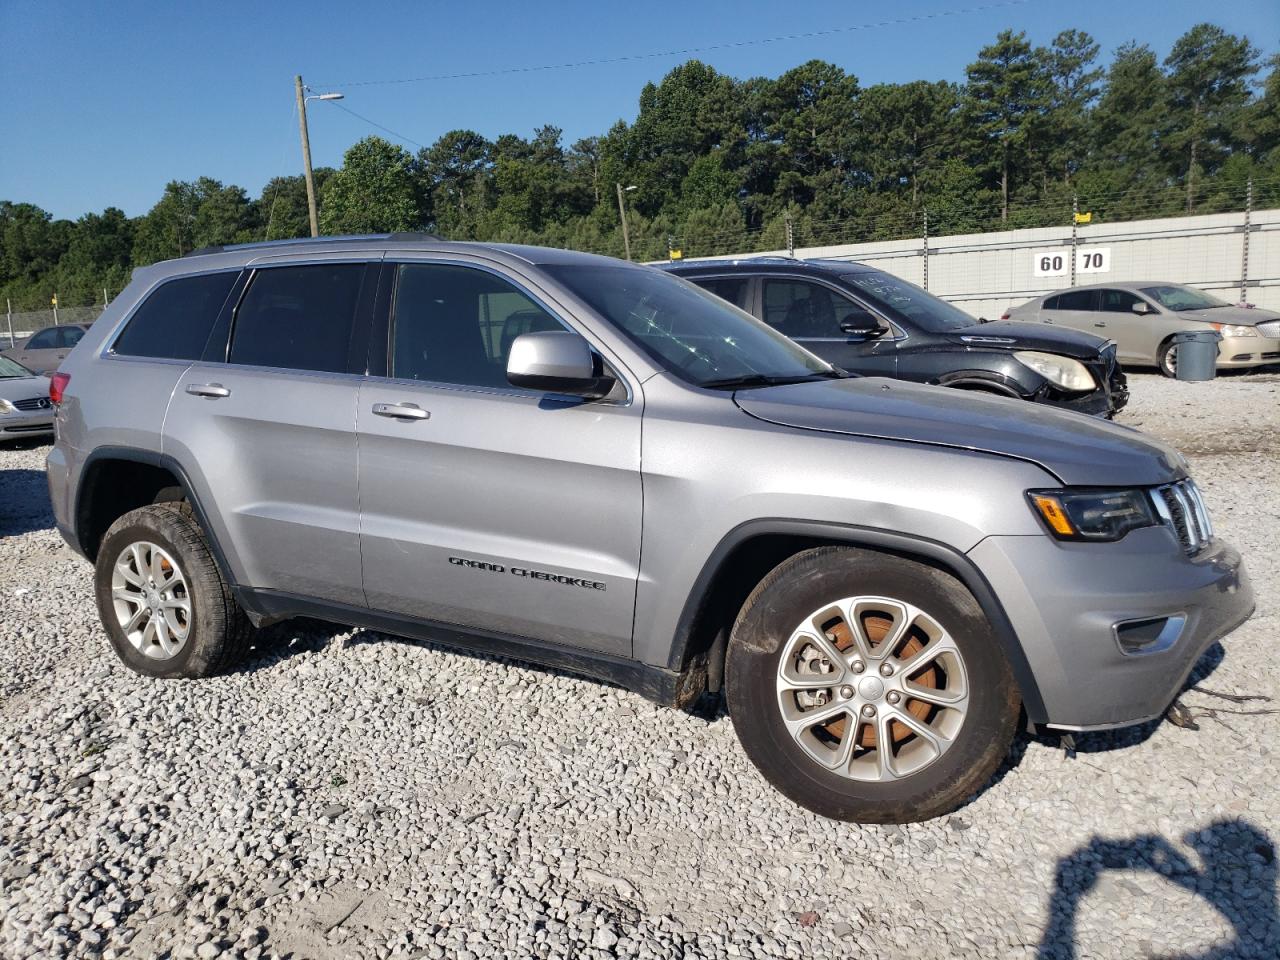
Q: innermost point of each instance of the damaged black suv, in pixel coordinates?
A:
(870, 322)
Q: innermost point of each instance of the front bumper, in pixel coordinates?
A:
(1065, 600)
(1248, 352)
(20, 424)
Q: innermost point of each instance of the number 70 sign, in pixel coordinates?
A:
(1057, 263)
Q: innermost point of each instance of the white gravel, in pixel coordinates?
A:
(349, 794)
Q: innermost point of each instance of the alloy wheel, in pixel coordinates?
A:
(151, 600)
(871, 688)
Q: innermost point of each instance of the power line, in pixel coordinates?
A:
(601, 61)
(373, 123)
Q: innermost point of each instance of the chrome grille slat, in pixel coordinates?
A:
(1180, 506)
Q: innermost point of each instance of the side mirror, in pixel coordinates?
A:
(861, 323)
(557, 362)
(1142, 307)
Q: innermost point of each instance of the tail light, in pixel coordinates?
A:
(57, 385)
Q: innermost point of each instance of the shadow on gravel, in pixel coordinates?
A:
(1238, 880)
(24, 502)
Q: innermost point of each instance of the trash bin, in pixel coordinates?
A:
(1196, 354)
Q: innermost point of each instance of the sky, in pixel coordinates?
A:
(101, 104)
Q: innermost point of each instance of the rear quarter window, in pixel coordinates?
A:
(175, 320)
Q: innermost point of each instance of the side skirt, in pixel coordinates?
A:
(670, 688)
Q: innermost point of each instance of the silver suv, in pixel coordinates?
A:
(600, 467)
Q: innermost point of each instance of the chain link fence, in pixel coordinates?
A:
(23, 323)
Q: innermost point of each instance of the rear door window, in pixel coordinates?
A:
(44, 340)
(175, 320)
(1078, 300)
(298, 318)
(733, 289)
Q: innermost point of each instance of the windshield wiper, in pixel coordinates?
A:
(770, 380)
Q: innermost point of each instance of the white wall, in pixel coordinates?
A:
(985, 273)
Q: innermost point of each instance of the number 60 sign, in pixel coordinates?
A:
(1057, 263)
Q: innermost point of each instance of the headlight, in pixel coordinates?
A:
(1235, 330)
(1063, 371)
(1092, 514)
(6, 406)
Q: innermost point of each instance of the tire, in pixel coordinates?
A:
(199, 629)
(943, 621)
(1167, 359)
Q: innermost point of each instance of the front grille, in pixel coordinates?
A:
(1269, 328)
(1182, 508)
(35, 403)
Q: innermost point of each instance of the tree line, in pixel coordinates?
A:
(722, 164)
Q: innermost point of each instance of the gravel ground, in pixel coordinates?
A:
(349, 794)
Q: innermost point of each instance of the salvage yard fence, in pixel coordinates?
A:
(1233, 255)
(1232, 252)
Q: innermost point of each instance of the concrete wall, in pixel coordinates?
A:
(986, 273)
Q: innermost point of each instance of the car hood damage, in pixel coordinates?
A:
(1077, 449)
(1015, 335)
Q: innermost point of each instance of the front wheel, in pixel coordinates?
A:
(867, 687)
(1167, 359)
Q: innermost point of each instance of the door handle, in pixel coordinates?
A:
(401, 411)
(1098, 323)
(213, 391)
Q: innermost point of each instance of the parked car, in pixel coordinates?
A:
(870, 322)
(45, 349)
(470, 442)
(1142, 317)
(25, 408)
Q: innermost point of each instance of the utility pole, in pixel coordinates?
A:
(622, 213)
(55, 309)
(791, 237)
(306, 157)
(8, 306)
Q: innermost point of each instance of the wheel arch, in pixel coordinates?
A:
(987, 381)
(157, 478)
(747, 553)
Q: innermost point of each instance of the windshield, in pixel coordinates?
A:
(11, 368)
(694, 334)
(909, 301)
(1177, 297)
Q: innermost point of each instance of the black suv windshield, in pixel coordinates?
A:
(898, 296)
(694, 334)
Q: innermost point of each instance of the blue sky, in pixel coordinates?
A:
(103, 103)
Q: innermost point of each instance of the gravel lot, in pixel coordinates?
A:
(350, 794)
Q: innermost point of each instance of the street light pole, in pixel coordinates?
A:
(622, 212)
(306, 158)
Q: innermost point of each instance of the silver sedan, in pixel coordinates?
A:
(1143, 317)
(25, 408)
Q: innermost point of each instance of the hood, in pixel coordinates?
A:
(24, 388)
(1075, 448)
(1246, 316)
(1029, 336)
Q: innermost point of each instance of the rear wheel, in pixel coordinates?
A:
(868, 687)
(161, 598)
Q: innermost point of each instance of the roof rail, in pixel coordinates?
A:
(227, 247)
